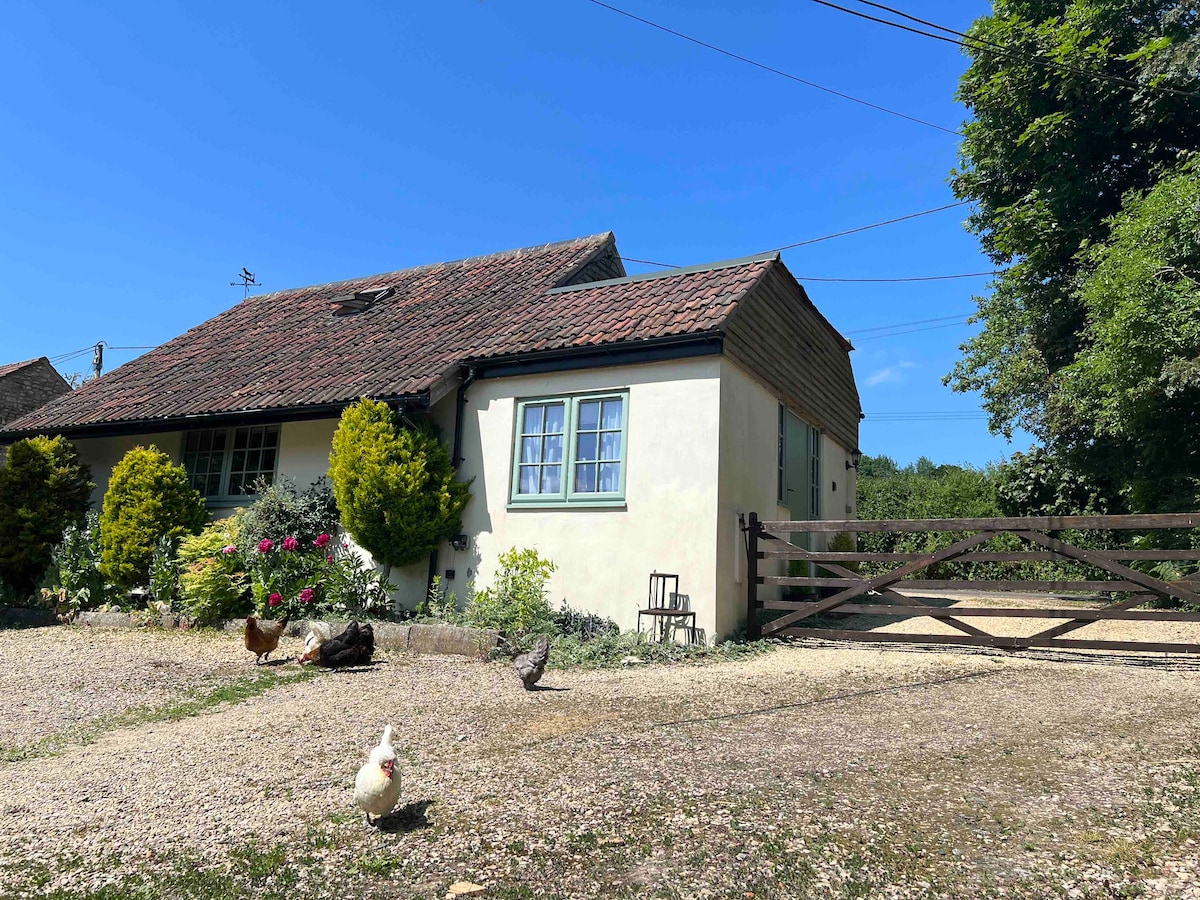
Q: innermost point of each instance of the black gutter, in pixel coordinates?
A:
(460, 403)
(215, 420)
(626, 353)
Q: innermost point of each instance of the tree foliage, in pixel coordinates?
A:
(44, 488)
(394, 484)
(148, 497)
(1052, 159)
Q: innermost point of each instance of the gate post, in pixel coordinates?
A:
(753, 626)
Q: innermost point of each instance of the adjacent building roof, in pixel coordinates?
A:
(24, 386)
(404, 335)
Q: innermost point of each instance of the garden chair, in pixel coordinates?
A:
(666, 608)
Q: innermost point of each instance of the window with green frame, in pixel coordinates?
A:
(570, 450)
(224, 463)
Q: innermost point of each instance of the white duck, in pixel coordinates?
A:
(377, 784)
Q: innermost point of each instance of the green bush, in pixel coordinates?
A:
(516, 603)
(164, 574)
(75, 566)
(44, 488)
(281, 509)
(394, 484)
(148, 497)
(212, 583)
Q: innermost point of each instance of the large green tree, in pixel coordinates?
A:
(1088, 106)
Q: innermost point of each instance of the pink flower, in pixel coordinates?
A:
(266, 545)
(306, 595)
(329, 558)
(275, 599)
(230, 549)
(322, 540)
(290, 544)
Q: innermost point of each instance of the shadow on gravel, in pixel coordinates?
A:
(410, 817)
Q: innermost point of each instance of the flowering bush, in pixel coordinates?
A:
(317, 579)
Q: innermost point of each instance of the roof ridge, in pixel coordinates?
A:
(13, 366)
(599, 238)
(669, 273)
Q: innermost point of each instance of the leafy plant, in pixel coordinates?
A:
(148, 497)
(281, 509)
(394, 484)
(440, 603)
(352, 587)
(164, 575)
(212, 582)
(584, 625)
(516, 603)
(844, 542)
(75, 565)
(43, 489)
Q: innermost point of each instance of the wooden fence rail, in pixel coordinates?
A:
(772, 540)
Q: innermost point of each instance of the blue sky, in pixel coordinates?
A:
(152, 150)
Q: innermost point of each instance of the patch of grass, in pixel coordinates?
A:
(200, 701)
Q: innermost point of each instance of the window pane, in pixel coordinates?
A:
(586, 448)
(610, 477)
(589, 415)
(268, 461)
(552, 449)
(612, 414)
(528, 481)
(191, 442)
(529, 449)
(610, 445)
(554, 418)
(239, 439)
(551, 479)
(256, 437)
(271, 436)
(217, 440)
(235, 485)
(213, 487)
(533, 420)
(239, 461)
(585, 478)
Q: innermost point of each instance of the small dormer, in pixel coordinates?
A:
(358, 301)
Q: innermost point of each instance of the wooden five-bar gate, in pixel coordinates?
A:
(773, 540)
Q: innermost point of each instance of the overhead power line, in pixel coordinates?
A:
(897, 280)
(876, 337)
(959, 317)
(825, 237)
(838, 234)
(961, 39)
(773, 70)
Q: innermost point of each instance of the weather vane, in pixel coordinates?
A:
(246, 281)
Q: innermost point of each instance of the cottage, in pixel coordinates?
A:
(619, 424)
(25, 386)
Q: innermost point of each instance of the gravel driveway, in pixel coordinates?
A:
(168, 763)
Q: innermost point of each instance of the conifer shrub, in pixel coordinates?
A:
(148, 497)
(44, 488)
(394, 484)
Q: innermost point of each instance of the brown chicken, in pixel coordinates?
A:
(262, 639)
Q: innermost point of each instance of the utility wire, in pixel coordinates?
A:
(838, 234)
(968, 42)
(773, 70)
(875, 337)
(897, 280)
(826, 237)
(960, 317)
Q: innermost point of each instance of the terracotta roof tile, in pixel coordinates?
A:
(288, 349)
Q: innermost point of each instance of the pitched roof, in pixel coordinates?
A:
(13, 367)
(290, 349)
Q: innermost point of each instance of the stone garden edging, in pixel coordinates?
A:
(417, 638)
